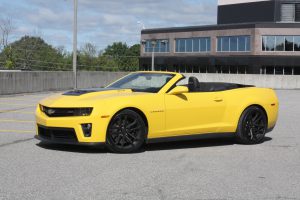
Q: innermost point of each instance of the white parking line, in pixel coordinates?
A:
(18, 121)
(16, 131)
(17, 104)
(15, 111)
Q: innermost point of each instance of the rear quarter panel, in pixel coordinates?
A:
(238, 100)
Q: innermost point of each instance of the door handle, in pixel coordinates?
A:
(217, 99)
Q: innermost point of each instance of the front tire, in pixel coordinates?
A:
(252, 126)
(126, 132)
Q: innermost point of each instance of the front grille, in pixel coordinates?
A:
(57, 134)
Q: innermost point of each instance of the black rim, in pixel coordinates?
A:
(254, 125)
(125, 131)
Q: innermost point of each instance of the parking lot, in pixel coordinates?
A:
(202, 169)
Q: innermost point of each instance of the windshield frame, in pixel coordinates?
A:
(172, 75)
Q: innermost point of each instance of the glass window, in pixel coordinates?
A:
(297, 43)
(289, 43)
(264, 43)
(225, 44)
(160, 46)
(196, 45)
(189, 45)
(181, 45)
(203, 44)
(192, 45)
(157, 46)
(241, 43)
(163, 47)
(279, 43)
(148, 46)
(208, 44)
(270, 43)
(248, 43)
(177, 44)
(143, 82)
(219, 45)
(233, 44)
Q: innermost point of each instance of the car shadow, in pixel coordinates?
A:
(201, 143)
(73, 148)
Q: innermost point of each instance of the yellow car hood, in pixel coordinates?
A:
(83, 98)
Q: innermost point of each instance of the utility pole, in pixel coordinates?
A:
(75, 44)
(153, 43)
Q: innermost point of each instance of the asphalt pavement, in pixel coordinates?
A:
(201, 169)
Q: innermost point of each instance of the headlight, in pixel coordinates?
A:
(82, 111)
(66, 112)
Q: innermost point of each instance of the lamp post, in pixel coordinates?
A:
(75, 44)
(153, 43)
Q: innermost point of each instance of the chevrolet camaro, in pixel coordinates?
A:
(147, 107)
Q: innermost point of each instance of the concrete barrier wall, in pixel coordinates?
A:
(26, 82)
(269, 81)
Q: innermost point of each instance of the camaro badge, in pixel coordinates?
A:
(157, 111)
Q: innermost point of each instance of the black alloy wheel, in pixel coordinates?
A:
(252, 126)
(126, 132)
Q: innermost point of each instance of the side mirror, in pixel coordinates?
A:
(179, 90)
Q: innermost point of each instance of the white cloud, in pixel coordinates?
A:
(103, 22)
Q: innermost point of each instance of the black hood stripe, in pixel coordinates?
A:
(80, 92)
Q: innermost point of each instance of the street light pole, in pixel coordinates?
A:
(75, 44)
(153, 43)
(152, 62)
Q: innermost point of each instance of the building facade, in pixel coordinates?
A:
(252, 37)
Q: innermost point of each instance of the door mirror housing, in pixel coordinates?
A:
(179, 90)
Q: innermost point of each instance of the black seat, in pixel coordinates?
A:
(193, 84)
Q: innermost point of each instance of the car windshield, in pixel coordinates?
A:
(143, 82)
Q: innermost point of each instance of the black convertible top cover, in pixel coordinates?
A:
(195, 86)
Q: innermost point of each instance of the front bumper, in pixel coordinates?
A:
(68, 143)
(50, 129)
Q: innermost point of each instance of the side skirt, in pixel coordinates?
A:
(191, 137)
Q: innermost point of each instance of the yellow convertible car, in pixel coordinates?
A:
(156, 106)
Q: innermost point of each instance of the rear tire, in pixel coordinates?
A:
(252, 126)
(126, 132)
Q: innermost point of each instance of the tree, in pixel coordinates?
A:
(133, 54)
(87, 57)
(34, 53)
(127, 58)
(116, 49)
(89, 50)
(6, 28)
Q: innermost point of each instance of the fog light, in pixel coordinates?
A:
(87, 129)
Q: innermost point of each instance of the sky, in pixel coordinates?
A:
(102, 22)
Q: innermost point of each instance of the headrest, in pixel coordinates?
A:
(193, 84)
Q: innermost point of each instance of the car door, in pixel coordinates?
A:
(194, 112)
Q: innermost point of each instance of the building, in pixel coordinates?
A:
(251, 37)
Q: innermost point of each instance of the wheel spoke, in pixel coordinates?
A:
(128, 139)
(132, 123)
(132, 136)
(125, 120)
(121, 140)
(134, 129)
(257, 119)
(117, 140)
